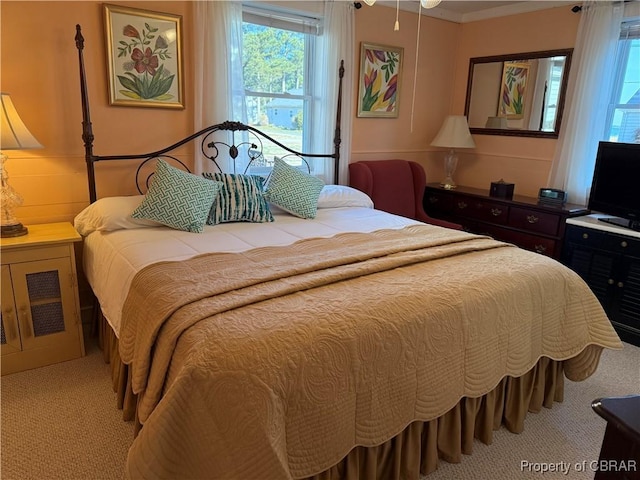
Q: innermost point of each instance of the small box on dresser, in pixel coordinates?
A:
(607, 257)
(40, 322)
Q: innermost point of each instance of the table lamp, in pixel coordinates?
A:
(454, 133)
(14, 135)
(497, 122)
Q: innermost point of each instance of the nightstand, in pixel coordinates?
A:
(40, 307)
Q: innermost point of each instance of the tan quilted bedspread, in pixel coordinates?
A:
(274, 363)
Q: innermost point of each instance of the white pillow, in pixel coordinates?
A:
(111, 213)
(334, 196)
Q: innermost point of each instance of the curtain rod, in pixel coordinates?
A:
(578, 8)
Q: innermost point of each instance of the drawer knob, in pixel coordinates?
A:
(540, 248)
(7, 313)
(433, 199)
(620, 284)
(623, 244)
(532, 219)
(496, 212)
(585, 235)
(610, 281)
(462, 205)
(26, 322)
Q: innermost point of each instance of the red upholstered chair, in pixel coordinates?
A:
(395, 186)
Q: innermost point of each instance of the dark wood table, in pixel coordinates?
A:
(620, 452)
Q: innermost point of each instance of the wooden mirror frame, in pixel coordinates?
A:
(522, 56)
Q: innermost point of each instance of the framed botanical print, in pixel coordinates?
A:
(379, 81)
(144, 57)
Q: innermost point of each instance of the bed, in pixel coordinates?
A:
(345, 343)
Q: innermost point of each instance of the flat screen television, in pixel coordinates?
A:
(616, 184)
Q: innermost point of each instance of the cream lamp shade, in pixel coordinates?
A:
(453, 134)
(14, 135)
(497, 122)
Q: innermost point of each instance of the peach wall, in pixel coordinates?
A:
(520, 160)
(445, 50)
(39, 69)
(382, 138)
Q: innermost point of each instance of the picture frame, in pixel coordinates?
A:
(144, 57)
(513, 89)
(379, 80)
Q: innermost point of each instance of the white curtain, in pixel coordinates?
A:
(335, 44)
(219, 86)
(589, 92)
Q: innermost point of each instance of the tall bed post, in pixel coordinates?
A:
(87, 132)
(336, 137)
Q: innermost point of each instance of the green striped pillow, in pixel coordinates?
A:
(292, 190)
(178, 199)
(241, 199)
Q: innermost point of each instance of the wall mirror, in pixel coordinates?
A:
(519, 94)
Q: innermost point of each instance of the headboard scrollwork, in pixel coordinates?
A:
(253, 142)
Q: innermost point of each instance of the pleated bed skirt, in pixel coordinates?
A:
(418, 448)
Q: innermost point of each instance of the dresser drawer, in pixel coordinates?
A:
(479, 209)
(543, 245)
(585, 236)
(436, 202)
(534, 221)
(624, 245)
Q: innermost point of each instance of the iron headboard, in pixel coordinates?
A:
(210, 148)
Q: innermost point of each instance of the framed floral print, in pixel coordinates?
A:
(144, 57)
(379, 82)
(512, 89)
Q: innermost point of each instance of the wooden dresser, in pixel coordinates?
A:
(521, 221)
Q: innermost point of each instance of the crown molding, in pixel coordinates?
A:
(443, 13)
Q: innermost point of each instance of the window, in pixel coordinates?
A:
(552, 93)
(277, 53)
(623, 115)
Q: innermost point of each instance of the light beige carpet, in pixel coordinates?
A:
(60, 422)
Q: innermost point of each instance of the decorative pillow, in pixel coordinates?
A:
(109, 214)
(178, 199)
(241, 199)
(292, 190)
(334, 196)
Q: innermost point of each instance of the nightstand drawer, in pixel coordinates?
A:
(534, 221)
(35, 253)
